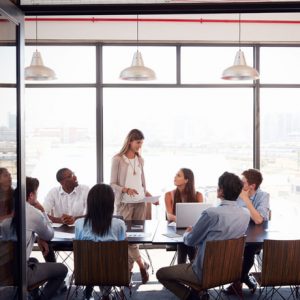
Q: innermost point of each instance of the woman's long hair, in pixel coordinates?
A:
(133, 135)
(100, 208)
(189, 192)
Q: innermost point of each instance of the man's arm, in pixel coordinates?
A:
(195, 235)
(41, 225)
(258, 215)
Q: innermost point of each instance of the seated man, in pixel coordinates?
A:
(32, 185)
(37, 225)
(257, 202)
(66, 203)
(227, 221)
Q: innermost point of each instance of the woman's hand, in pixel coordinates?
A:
(131, 192)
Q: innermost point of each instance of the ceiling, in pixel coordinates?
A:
(83, 2)
(144, 7)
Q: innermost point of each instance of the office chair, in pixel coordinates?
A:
(280, 267)
(222, 264)
(101, 264)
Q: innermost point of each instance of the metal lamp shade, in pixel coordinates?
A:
(37, 70)
(240, 70)
(137, 71)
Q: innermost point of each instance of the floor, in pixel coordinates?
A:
(154, 290)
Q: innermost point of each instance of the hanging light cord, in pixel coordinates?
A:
(137, 32)
(36, 33)
(239, 31)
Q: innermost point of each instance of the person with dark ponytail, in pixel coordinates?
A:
(184, 192)
(99, 225)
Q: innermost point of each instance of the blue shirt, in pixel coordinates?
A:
(116, 231)
(260, 201)
(227, 221)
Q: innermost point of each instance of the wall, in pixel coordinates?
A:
(210, 30)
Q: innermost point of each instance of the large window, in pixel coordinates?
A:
(160, 59)
(190, 117)
(60, 132)
(8, 146)
(206, 64)
(280, 148)
(201, 129)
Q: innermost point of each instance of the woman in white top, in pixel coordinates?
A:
(128, 183)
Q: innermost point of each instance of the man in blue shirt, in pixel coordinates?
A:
(227, 221)
(258, 205)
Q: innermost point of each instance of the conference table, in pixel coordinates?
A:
(160, 232)
(137, 231)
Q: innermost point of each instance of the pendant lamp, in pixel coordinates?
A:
(240, 70)
(37, 71)
(137, 71)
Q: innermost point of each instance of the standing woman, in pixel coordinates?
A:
(128, 183)
(184, 192)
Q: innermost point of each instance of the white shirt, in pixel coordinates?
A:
(133, 181)
(58, 202)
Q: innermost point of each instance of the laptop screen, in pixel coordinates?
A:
(188, 213)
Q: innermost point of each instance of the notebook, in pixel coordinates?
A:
(188, 213)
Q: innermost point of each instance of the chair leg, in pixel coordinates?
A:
(150, 260)
(70, 286)
(120, 294)
(174, 259)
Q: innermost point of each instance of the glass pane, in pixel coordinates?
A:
(72, 64)
(8, 131)
(162, 60)
(280, 149)
(206, 64)
(60, 132)
(8, 163)
(279, 65)
(204, 133)
(7, 63)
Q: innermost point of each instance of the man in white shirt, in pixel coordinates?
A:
(66, 203)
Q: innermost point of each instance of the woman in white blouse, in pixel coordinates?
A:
(128, 183)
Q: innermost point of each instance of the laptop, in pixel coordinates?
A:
(188, 213)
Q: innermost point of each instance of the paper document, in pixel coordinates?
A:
(172, 224)
(137, 234)
(172, 235)
(151, 199)
(56, 225)
(137, 227)
(64, 235)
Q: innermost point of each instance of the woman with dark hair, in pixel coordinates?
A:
(6, 193)
(184, 192)
(128, 182)
(99, 225)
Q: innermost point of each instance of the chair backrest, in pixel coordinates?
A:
(281, 263)
(101, 263)
(7, 263)
(222, 262)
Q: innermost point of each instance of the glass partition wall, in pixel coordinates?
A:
(12, 173)
(190, 117)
